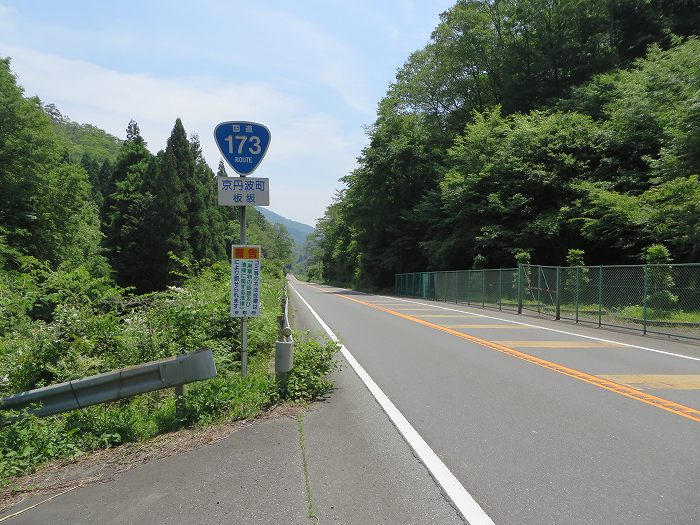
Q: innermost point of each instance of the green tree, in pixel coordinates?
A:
(126, 211)
(576, 274)
(393, 173)
(95, 171)
(659, 277)
(479, 262)
(206, 224)
(511, 129)
(511, 179)
(46, 205)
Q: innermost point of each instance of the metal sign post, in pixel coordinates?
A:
(244, 320)
(243, 145)
(245, 289)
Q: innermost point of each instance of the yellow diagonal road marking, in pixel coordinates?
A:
(658, 402)
(557, 344)
(409, 309)
(504, 326)
(659, 381)
(446, 316)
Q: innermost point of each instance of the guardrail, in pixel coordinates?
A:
(284, 346)
(111, 386)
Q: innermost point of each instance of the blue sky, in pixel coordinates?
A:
(311, 71)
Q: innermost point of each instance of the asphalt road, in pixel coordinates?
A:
(539, 426)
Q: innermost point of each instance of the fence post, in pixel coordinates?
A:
(576, 294)
(539, 288)
(600, 296)
(520, 288)
(500, 289)
(483, 288)
(646, 293)
(446, 286)
(455, 287)
(469, 286)
(558, 295)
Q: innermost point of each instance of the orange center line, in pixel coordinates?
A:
(632, 393)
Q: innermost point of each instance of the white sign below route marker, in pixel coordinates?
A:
(243, 191)
(245, 281)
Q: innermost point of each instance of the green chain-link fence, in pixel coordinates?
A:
(659, 299)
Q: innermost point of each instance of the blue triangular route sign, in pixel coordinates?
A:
(243, 144)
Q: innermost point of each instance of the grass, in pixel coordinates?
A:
(307, 483)
(675, 316)
(85, 342)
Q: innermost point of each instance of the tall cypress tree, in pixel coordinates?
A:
(229, 216)
(125, 206)
(206, 223)
(169, 213)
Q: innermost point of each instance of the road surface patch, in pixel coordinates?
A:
(658, 402)
(558, 344)
(657, 381)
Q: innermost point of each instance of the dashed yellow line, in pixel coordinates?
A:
(658, 402)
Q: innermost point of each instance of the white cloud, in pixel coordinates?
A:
(308, 148)
(318, 69)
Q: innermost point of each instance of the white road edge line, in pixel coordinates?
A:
(463, 501)
(471, 312)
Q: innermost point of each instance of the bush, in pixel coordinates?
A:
(86, 335)
(313, 362)
(31, 441)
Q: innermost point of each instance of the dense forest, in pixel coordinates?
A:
(74, 197)
(112, 256)
(522, 130)
(91, 228)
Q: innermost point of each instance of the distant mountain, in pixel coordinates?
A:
(297, 230)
